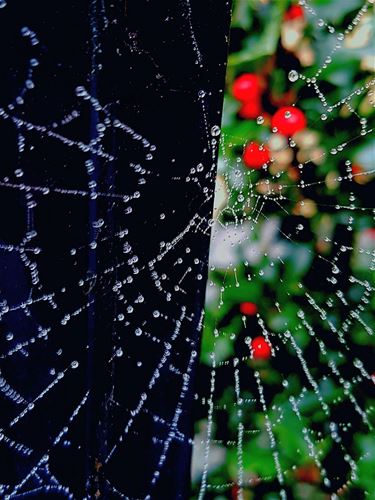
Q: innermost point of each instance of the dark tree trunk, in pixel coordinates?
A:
(100, 320)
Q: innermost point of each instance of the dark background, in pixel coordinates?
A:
(136, 58)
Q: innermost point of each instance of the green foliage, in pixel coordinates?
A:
(300, 279)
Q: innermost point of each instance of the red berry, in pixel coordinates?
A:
(246, 87)
(294, 12)
(357, 169)
(251, 109)
(235, 492)
(308, 474)
(288, 120)
(370, 232)
(255, 156)
(248, 308)
(260, 348)
(359, 174)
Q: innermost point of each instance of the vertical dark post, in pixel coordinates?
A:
(108, 118)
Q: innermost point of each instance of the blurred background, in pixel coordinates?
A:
(285, 389)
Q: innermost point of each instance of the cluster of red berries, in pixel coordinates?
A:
(247, 89)
(288, 120)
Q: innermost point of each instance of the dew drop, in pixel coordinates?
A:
(81, 91)
(293, 75)
(215, 130)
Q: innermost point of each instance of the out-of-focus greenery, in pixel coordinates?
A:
(296, 238)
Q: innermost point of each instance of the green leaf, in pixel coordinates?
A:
(265, 44)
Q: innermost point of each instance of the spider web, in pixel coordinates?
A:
(242, 406)
(170, 269)
(87, 306)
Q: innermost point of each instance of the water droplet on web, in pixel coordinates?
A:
(81, 91)
(215, 130)
(245, 194)
(100, 127)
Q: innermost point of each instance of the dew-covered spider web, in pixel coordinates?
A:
(94, 288)
(293, 245)
(107, 173)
